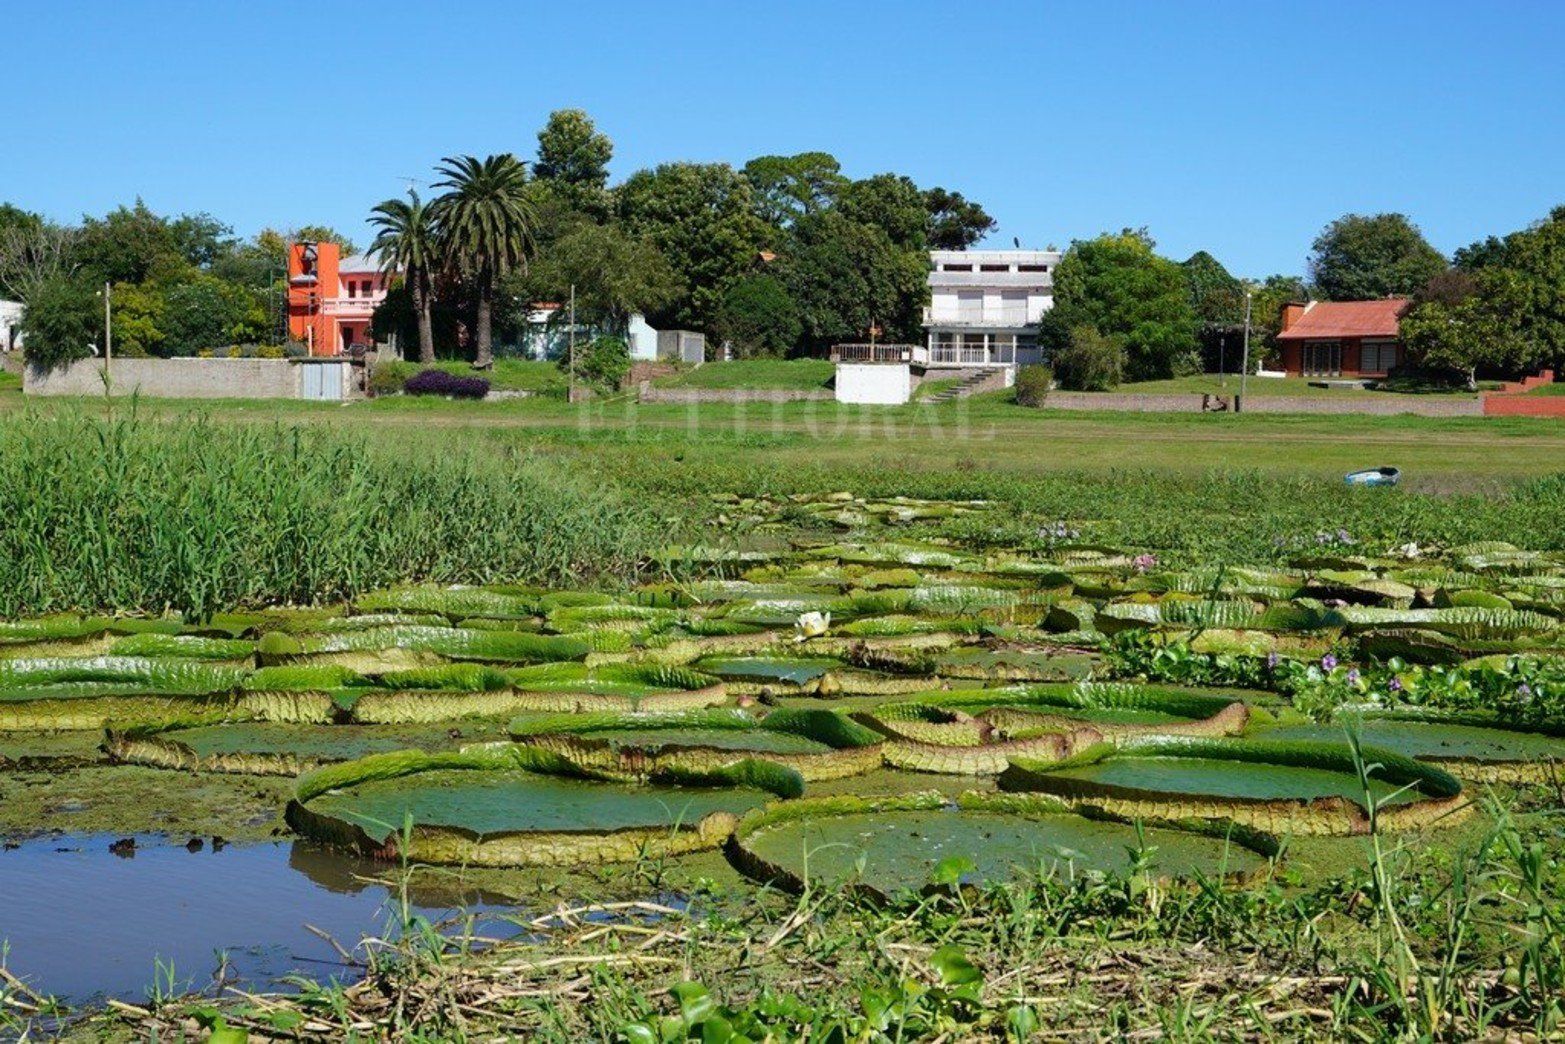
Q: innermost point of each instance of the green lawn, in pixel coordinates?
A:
(1557, 388)
(799, 374)
(507, 375)
(983, 433)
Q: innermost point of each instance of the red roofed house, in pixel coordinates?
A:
(1342, 338)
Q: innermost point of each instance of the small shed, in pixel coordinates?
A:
(1342, 338)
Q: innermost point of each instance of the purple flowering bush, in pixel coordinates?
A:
(449, 385)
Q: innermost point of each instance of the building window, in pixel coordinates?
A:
(353, 289)
(956, 268)
(1377, 356)
(994, 268)
(1032, 268)
(1322, 358)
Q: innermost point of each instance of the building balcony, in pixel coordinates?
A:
(1006, 318)
(358, 307)
(1006, 280)
(875, 353)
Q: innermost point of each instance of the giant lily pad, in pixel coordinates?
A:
(513, 805)
(1280, 787)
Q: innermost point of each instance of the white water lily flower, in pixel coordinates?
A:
(811, 625)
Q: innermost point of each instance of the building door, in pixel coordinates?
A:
(1322, 358)
(322, 381)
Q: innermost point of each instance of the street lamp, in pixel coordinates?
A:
(1244, 371)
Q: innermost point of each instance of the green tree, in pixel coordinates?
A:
(955, 223)
(602, 362)
(1479, 323)
(1360, 258)
(891, 203)
(63, 321)
(1216, 297)
(138, 319)
(701, 217)
(614, 275)
(847, 276)
(788, 187)
(129, 245)
(570, 149)
(406, 242)
(1090, 361)
(485, 222)
(1119, 287)
(573, 161)
(321, 234)
(201, 239)
(759, 318)
(1536, 257)
(203, 313)
(1266, 300)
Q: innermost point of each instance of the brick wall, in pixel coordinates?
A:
(1524, 406)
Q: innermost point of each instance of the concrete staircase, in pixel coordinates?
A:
(979, 380)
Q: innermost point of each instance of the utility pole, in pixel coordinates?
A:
(570, 394)
(108, 329)
(1244, 372)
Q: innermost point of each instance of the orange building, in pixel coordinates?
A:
(331, 298)
(1342, 338)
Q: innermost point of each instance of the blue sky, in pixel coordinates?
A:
(1239, 128)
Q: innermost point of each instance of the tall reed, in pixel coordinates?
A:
(121, 513)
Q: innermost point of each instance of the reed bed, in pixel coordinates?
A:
(122, 513)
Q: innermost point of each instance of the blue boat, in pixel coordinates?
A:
(1374, 477)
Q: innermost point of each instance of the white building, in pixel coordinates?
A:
(985, 306)
(983, 315)
(10, 325)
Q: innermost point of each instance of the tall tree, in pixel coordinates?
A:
(891, 203)
(485, 220)
(701, 217)
(31, 254)
(789, 187)
(1536, 257)
(129, 245)
(846, 276)
(613, 274)
(1216, 296)
(1473, 322)
(1360, 258)
(406, 241)
(955, 223)
(760, 318)
(573, 163)
(1119, 287)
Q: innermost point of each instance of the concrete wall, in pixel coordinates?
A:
(180, 378)
(641, 338)
(1370, 403)
(687, 396)
(874, 384)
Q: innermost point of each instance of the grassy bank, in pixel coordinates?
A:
(800, 374)
(126, 514)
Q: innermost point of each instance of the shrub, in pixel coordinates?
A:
(603, 362)
(387, 377)
(438, 382)
(1090, 361)
(270, 351)
(1033, 384)
(295, 349)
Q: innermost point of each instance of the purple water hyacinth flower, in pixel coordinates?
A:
(1272, 660)
(1353, 676)
(1344, 537)
(1394, 684)
(1524, 691)
(1328, 662)
(1145, 562)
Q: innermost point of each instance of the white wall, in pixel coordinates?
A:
(643, 340)
(874, 384)
(10, 318)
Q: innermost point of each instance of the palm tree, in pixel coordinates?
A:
(486, 225)
(405, 241)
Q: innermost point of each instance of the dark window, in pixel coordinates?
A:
(994, 268)
(957, 268)
(1032, 268)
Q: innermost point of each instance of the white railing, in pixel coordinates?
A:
(351, 305)
(873, 353)
(978, 317)
(970, 355)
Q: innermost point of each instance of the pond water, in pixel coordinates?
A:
(84, 923)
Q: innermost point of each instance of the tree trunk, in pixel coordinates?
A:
(485, 358)
(426, 327)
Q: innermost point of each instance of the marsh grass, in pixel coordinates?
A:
(119, 513)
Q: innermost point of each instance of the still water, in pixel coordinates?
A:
(84, 923)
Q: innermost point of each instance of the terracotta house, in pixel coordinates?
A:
(1342, 338)
(331, 298)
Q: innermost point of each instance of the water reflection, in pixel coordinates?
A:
(86, 921)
